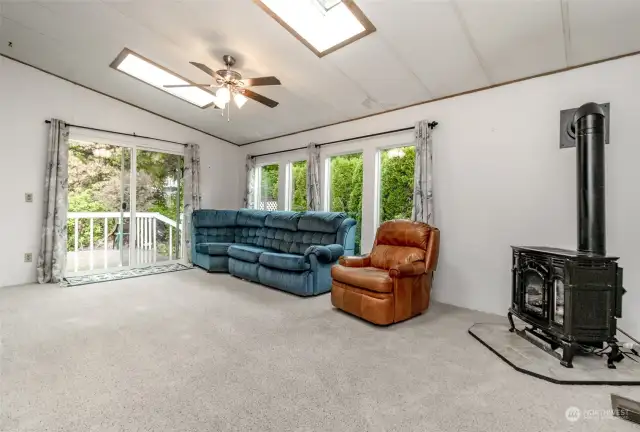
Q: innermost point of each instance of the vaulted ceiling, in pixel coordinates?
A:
(422, 49)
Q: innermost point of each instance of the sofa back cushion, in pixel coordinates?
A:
(294, 242)
(214, 226)
(283, 220)
(251, 218)
(399, 242)
(324, 222)
(246, 235)
(214, 218)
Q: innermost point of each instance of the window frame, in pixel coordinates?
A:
(350, 4)
(377, 214)
(258, 184)
(326, 187)
(289, 184)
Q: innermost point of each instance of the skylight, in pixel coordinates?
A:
(322, 25)
(151, 73)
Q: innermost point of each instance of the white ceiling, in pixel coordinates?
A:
(423, 49)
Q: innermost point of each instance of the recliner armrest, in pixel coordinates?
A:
(405, 270)
(355, 261)
(325, 254)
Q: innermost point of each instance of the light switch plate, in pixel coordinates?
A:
(28, 257)
(28, 197)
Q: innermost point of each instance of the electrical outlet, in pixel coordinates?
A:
(28, 197)
(28, 258)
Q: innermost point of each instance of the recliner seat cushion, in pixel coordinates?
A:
(284, 261)
(216, 249)
(246, 253)
(369, 278)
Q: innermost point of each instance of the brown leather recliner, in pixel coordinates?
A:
(393, 283)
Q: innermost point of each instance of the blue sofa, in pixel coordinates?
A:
(291, 251)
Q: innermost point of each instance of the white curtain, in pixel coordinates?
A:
(192, 196)
(423, 178)
(53, 245)
(250, 192)
(313, 178)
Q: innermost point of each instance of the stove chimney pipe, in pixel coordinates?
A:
(589, 123)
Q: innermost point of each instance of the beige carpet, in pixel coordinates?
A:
(190, 351)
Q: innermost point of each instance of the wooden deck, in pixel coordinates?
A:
(99, 259)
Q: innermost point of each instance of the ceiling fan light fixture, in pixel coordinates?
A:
(239, 99)
(223, 94)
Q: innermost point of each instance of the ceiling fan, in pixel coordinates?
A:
(231, 84)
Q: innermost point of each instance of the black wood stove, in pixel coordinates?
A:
(571, 299)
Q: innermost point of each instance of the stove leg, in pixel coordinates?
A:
(568, 351)
(513, 326)
(614, 356)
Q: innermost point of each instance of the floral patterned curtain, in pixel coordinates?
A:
(192, 197)
(250, 193)
(313, 178)
(52, 257)
(423, 178)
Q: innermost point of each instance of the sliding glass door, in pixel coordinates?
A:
(159, 204)
(125, 207)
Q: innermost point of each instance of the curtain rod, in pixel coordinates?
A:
(121, 133)
(432, 125)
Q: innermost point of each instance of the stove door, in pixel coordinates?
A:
(535, 293)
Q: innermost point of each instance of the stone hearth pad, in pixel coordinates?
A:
(527, 358)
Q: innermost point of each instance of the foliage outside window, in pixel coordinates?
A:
(345, 192)
(299, 186)
(397, 166)
(269, 182)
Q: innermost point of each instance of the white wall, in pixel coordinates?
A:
(501, 179)
(27, 98)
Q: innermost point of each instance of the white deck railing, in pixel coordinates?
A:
(146, 238)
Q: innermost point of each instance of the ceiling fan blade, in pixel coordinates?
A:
(258, 98)
(206, 69)
(187, 85)
(262, 81)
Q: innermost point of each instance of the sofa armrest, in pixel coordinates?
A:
(355, 261)
(405, 270)
(325, 254)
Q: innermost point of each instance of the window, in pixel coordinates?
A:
(299, 186)
(397, 166)
(345, 188)
(145, 70)
(322, 25)
(268, 187)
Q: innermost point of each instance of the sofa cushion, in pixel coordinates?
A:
(214, 218)
(369, 278)
(284, 261)
(247, 253)
(214, 235)
(213, 248)
(325, 222)
(295, 242)
(283, 219)
(251, 218)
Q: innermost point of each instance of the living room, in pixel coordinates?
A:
(213, 279)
